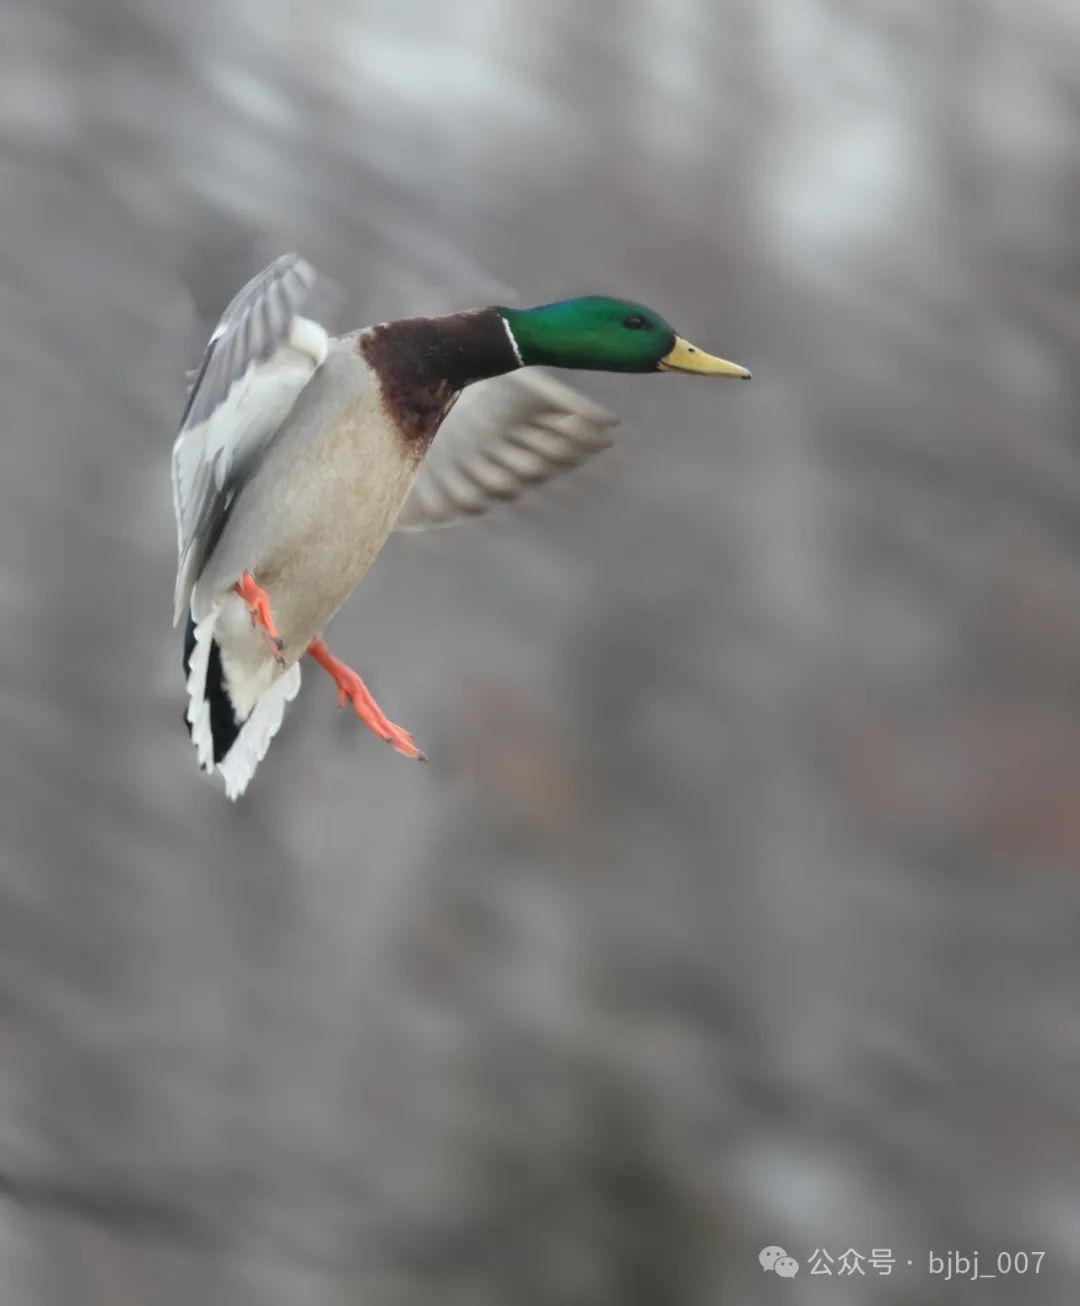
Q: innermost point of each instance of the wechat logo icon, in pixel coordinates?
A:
(779, 1262)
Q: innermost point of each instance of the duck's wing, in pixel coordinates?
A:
(502, 437)
(259, 358)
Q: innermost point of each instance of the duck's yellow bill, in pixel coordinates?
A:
(685, 357)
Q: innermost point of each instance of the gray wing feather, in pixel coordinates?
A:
(251, 328)
(259, 358)
(503, 437)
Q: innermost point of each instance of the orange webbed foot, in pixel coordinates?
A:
(351, 689)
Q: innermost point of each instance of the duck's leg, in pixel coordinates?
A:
(258, 605)
(351, 689)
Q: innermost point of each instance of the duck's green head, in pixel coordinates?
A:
(607, 335)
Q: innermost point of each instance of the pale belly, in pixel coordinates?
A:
(322, 520)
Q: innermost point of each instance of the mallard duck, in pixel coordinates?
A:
(299, 452)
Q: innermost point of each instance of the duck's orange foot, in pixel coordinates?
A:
(258, 606)
(351, 689)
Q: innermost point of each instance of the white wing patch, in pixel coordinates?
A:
(210, 457)
(257, 361)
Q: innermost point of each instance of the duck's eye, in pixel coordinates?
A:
(634, 322)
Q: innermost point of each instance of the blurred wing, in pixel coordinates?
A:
(259, 358)
(502, 437)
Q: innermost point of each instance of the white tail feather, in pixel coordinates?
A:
(239, 763)
(264, 721)
(198, 709)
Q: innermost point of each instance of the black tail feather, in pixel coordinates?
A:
(224, 727)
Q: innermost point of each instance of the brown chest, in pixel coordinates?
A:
(423, 364)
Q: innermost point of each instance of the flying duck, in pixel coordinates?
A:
(299, 452)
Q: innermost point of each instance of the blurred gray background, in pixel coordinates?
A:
(738, 904)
